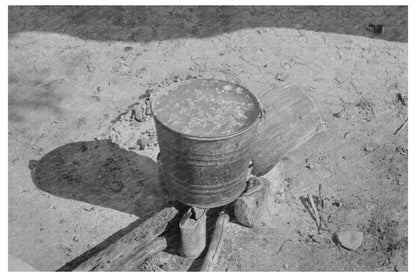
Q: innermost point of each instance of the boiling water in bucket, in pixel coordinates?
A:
(205, 130)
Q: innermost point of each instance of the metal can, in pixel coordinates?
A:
(206, 169)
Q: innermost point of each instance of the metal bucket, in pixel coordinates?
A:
(202, 171)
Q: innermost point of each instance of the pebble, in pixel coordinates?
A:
(368, 149)
(337, 203)
(350, 239)
(90, 68)
(143, 142)
(139, 114)
(33, 164)
(282, 76)
(337, 115)
(67, 250)
(227, 87)
(132, 143)
(286, 266)
(400, 267)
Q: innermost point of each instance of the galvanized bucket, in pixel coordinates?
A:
(205, 171)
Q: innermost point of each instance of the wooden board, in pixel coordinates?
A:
(291, 119)
(131, 248)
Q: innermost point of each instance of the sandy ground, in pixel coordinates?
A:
(75, 74)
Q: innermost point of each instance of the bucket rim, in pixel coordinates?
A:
(209, 138)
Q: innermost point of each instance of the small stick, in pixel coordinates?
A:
(315, 211)
(322, 202)
(397, 132)
(281, 247)
(321, 198)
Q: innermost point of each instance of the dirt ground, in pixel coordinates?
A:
(77, 172)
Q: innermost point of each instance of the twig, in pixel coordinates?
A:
(315, 211)
(322, 203)
(397, 132)
(321, 197)
(281, 247)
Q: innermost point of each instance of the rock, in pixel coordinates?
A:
(282, 76)
(398, 261)
(402, 151)
(337, 203)
(251, 206)
(131, 144)
(308, 165)
(148, 111)
(402, 99)
(90, 68)
(33, 164)
(66, 250)
(140, 113)
(350, 239)
(337, 115)
(368, 149)
(143, 142)
(286, 266)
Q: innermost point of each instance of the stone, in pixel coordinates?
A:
(337, 115)
(33, 164)
(282, 76)
(350, 239)
(368, 149)
(143, 142)
(251, 206)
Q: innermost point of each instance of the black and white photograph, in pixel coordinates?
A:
(207, 138)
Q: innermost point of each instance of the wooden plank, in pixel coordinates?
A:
(131, 262)
(291, 118)
(132, 248)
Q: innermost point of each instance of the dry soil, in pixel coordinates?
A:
(79, 167)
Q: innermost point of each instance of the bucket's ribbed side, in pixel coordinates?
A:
(202, 173)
